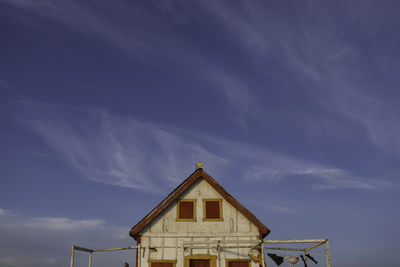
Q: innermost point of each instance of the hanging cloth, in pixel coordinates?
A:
(277, 259)
(311, 258)
(292, 260)
(302, 258)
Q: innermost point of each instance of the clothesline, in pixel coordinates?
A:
(291, 259)
(304, 250)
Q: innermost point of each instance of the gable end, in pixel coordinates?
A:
(197, 175)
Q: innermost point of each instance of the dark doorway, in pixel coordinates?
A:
(238, 263)
(199, 263)
(161, 264)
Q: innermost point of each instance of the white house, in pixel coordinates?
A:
(199, 224)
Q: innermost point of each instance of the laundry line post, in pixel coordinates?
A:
(262, 253)
(328, 260)
(72, 256)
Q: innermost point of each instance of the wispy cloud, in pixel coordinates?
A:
(236, 93)
(130, 153)
(283, 208)
(2, 212)
(9, 261)
(316, 52)
(279, 168)
(119, 151)
(325, 61)
(14, 261)
(63, 224)
(83, 18)
(124, 152)
(16, 220)
(46, 241)
(142, 45)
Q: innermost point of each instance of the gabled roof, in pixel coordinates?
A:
(196, 175)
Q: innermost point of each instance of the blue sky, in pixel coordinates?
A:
(106, 106)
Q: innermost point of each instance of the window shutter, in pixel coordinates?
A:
(212, 210)
(186, 210)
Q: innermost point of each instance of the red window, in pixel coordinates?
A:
(186, 210)
(212, 209)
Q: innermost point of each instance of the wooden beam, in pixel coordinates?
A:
(83, 249)
(289, 249)
(314, 246)
(222, 242)
(112, 249)
(294, 241)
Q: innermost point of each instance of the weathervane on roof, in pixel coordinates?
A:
(199, 165)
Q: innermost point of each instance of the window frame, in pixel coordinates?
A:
(212, 258)
(162, 261)
(221, 217)
(194, 210)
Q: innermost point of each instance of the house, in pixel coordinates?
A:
(199, 224)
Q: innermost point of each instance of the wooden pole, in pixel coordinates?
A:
(262, 254)
(139, 255)
(72, 256)
(328, 260)
(90, 259)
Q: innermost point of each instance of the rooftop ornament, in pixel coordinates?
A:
(199, 165)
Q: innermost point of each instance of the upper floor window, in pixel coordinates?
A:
(212, 209)
(186, 210)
